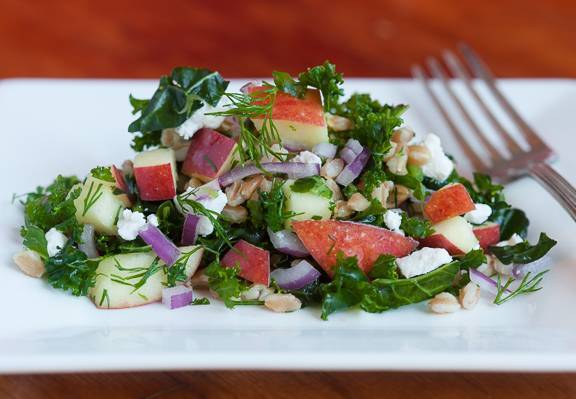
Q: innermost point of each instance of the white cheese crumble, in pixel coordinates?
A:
(199, 119)
(280, 154)
(500, 267)
(478, 215)
(439, 166)
(152, 219)
(56, 241)
(393, 220)
(130, 224)
(423, 261)
(211, 197)
(307, 157)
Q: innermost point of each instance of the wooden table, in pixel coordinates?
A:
(121, 38)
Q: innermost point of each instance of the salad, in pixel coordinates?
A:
(284, 194)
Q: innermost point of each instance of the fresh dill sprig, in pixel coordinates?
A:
(527, 285)
(254, 145)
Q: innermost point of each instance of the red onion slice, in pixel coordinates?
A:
(325, 150)
(88, 245)
(164, 248)
(298, 276)
(288, 243)
(177, 297)
(484, 282)
(294, 170)
(539, 265)
(353, 169)
(190, 229)
(347, 155)
(354, 145)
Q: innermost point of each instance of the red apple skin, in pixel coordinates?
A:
(307, 110)
(487, 234)
(440, 241)
(450, 201)
(209, 155)
(324, 239)
(155, 183)
(254, 262)
(119, 177)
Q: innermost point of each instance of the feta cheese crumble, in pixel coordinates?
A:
(478, 215)
(393, 220)
(281, 154)
(56, 241)
(130, 223)
(423, 261)
(307, 157)
(439, 166)
(199, 119)
(211, 197)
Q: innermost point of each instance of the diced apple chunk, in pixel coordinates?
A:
(487, 234)
(305, 206)
(155, 173)
(210, 154)
(98, 205)
(449, 201)
(114, 279)
(455, 235)
(300, 122)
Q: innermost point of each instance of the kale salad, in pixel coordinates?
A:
(283, 195)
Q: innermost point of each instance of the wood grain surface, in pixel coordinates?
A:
(128, 38)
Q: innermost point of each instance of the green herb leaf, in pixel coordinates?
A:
(272, 203)
(384, 267)
(527, 285)
(314, 185)
(225, 281)
(346, 288)
(178, 96)
(413, 180)
(416, 227)
(35, 240)
(472, 259)
(524, 252)
(373, 123)
(201, 301)
(103, 173)
(71, 270)
(53, 206)
(322, 77)
(512, 221)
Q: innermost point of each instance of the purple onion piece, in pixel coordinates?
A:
(347, 155)
(539, 265)
(294, 170)
(161, 245)
(190, 229)
(325, 150)
(88, 245)
(177, 297)
(298, 276)
(288, 243)
(293, 147)
(353, 169)
(484, 282)
(354, 145)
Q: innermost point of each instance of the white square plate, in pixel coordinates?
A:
(68, 126)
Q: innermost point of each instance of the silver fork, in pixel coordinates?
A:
(518, 162)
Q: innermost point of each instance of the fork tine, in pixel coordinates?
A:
(477, 162)
(438, 73)
(482, 72)
(458, 70)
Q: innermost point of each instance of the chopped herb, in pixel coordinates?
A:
(93, 195)
(416, 227)
(527, 285)
(177, 272)
(71, 270)
(178, 96)
(272, 202)
(384, 267)
(523, 252)
(103, 173)
(322, 77)
(200, 301)
(35, 240)
(225, 281)
(313, 185)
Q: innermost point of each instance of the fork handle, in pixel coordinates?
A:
(556, 185)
